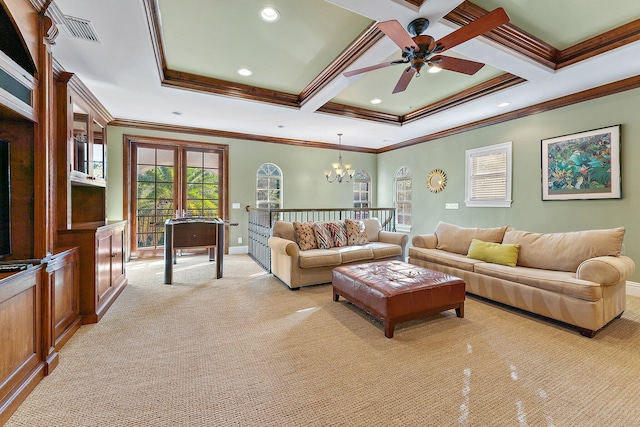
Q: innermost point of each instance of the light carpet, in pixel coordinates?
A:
(245, 350)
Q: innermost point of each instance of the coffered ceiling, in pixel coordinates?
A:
(176, 62)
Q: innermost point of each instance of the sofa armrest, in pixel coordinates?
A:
(283, 246)
(427, 241)
(606, 270)
(396, 238)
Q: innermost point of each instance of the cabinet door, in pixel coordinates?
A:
(117, 256)
(103, 264)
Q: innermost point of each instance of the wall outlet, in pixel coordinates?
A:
(451, 206)
(239, 239)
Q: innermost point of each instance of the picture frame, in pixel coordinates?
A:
(582, 166)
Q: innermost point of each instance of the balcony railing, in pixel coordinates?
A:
(261, 223)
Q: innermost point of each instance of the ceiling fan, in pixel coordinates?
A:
(419, 50)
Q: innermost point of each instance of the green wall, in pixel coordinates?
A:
(528, 211)
(304, 183)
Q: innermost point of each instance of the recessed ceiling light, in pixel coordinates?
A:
(434, 69)
(376, 101)
(245, 72)
(504, 104)
(269, 14)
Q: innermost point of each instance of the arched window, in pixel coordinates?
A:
(269, 187)
(361, 190)
(402, 195)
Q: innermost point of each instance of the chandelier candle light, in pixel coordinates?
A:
(339, 171)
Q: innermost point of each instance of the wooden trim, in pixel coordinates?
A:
(496, 84)
(234, 135)
(507, 35)
(151, 9)
(198, 83)
(604, 42)
(489, 87)
(416, 3)
(76, 85)
(360, 113)
(370, 36)
(585, 95)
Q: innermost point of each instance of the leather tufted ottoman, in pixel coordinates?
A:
(395, 291)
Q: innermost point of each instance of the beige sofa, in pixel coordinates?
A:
(576, 277)
(296, 267)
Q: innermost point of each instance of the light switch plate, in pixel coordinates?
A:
(451, 206)
(235, 206)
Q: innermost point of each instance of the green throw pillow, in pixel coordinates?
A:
(505, 254)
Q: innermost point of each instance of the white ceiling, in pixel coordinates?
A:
(122, 69)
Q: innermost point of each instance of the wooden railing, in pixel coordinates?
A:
(261, 223)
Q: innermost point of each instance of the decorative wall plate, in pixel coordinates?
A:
(436, 180)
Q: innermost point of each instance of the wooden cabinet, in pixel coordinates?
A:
(21, 311)
(81, 153)
(62, 300)
(102, 271)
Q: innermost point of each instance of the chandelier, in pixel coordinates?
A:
(340, 171)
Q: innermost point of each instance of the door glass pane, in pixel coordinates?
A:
(155, 194)
(99, 158)
(202, 184)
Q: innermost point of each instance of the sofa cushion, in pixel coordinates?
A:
(353, 253)
(355, 232)
(305, 237)
(319, 258)
(338, 233)
(456, 239)
(564, 251)
(505, 254)
(448, 259)
(323, 235)
(560, 282)
(382, 250)
(284, 229)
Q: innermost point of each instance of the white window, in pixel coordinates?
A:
(269, 187)
(488, 172)
(402, 192)
(361, 190)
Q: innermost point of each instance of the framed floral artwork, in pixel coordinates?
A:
(583, 165)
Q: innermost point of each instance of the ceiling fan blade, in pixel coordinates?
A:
(398, 34)
(456, 64)
(405, 79)
(480, 26)
(371, 68)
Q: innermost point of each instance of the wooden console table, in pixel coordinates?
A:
(182, 233)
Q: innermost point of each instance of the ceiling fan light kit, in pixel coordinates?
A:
(419, 50)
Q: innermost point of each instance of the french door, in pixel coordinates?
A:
(173, 181)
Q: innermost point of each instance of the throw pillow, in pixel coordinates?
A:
(323, 235)
(305, 237)
(505, 254)
(355, 232)
(338, 234)
(453, 238)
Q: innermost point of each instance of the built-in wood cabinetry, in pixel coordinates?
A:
(102, 273)
(81, 197)
(62, 299)
(21, 313)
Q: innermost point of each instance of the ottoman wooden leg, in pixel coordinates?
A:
(389, 326)
(336, 297)
(460, 310)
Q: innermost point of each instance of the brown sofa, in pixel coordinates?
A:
(297, 268)
(576, 277)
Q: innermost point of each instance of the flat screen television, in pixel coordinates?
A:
(5, 200)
